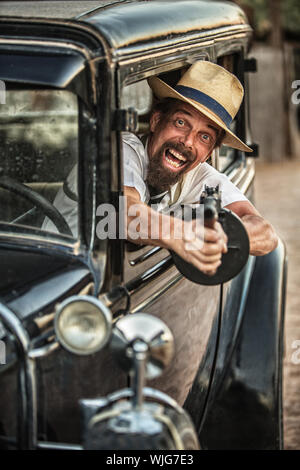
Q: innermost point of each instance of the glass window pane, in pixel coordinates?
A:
(137, 95)
(38, 149)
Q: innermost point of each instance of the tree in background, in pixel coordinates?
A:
(275, 21)
(269, 15)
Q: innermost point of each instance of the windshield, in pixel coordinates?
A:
(38, 155)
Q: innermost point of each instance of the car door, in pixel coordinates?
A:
(156, 287)
(192, 312)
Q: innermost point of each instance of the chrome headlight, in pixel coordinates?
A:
(83, 324)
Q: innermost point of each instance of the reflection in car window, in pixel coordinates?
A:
(38, 148)
(227, 154)
(137, 95)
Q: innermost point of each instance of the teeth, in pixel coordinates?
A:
(174, 164)
(177, 155)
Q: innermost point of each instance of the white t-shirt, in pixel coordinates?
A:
(66, 206)
(185, 192)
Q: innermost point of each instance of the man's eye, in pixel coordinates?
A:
(180, 122)
(206, 138)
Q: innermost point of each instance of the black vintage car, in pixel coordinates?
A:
(86, 319)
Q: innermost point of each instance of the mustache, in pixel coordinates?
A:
(180, 148)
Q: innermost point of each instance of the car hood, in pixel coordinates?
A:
(30, 281)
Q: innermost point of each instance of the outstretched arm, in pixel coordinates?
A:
(203, 249)
(262, 235)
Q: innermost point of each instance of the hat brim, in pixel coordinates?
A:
(163, 90)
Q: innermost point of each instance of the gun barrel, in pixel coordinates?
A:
(210, 212)
(211, 198)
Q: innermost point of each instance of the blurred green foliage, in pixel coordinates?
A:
(290, 15)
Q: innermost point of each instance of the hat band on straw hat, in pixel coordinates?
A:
(206, 101)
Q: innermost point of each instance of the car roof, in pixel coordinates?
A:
(123, 23)
(49, 9)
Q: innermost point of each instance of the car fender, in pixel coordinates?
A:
(244, 408)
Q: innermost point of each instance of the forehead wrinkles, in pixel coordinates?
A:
(200, 118)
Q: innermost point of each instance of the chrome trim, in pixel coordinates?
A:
(243, 176)
(148, 392)
(27, 402)
(145, 256)
(44, 350)
(105, 315)
(58, 446)
(134, 285)
(149, 275)
(248, 181)
(234, 174)
(150, 300)
(151, 55)
(132, 74)
(121, 292)
(162, 397)
(222, 34)
(73, 246)
(281, 314)
(129, 61)
(240, 176)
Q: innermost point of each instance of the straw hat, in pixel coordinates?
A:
(210, 89)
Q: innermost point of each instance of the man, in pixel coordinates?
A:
(170, 170)
(191, 120)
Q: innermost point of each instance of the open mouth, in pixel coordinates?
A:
(174, 160)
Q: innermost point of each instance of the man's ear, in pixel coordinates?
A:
(154, 120)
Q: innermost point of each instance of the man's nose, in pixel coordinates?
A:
(188, 139)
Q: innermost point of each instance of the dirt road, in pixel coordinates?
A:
(277, 196)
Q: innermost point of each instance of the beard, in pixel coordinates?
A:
(159, 178)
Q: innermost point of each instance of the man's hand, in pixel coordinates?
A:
(203, 247)
(204, 250)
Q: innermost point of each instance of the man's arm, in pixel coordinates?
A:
(262, 235)
(208, 247)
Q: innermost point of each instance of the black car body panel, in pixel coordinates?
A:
(83, 59)
(264, 384)
(52, 70)
(123, 25)
(246, 390)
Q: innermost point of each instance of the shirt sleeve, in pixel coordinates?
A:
(134, 170)
(229, 192)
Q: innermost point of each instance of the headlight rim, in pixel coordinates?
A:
(107, 316)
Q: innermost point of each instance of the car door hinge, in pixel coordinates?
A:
(250, 65)
(125, 120)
